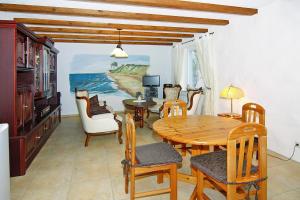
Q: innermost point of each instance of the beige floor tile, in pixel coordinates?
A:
(66, 170)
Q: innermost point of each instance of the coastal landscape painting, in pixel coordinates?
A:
(107, 76)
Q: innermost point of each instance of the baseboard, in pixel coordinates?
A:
(72, 115)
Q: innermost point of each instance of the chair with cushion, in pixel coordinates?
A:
(176, 108)
(152, 159)
(99, 121)
(193, 98)
(234, 171)
(253, 113)
(170, 93)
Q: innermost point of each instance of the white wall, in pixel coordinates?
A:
(160, 64)
(260, 54)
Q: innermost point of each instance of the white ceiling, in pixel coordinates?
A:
(139, 9)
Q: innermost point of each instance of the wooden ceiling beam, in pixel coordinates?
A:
(108, 14)
(186, 5)
(109, 32)
(51, 22)
(102, 37)
(111, 42)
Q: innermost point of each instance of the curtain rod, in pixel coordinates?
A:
(194, 39)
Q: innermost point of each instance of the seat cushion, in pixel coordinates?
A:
(157, 154)
(214, 164)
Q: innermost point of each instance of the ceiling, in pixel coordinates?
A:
(133, 33)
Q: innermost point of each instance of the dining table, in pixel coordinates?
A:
(201, 132)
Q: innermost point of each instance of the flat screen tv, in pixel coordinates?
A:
(151, 81)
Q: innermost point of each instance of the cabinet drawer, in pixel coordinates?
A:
(30, 143)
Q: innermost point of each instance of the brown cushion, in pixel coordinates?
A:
(96, 109)
(214, 164)
(157, 154)
(94, 101)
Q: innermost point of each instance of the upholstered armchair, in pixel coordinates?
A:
(99, 124)
(170, 93)
(193, 99)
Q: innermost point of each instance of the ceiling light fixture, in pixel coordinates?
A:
(118, 52)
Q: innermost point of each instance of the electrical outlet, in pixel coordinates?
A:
(297, 144)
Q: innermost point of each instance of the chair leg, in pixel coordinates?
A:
(262, 193)
(160, 178)
(126, 183)
(87, 139)
(132, 183)
(173, 182)
(120, 136)
(231, 192)
(194, 194)
(200, 185)
(183, 150)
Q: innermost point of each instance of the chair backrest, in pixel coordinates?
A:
(193, 97)
(130, 143)
(252, 112)
(81, 93)
(239, 160)
(175, 108)
(172, 93)
(83, 103)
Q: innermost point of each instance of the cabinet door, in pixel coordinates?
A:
(38, 82)
(30, 142)
(21, 59)
(19, 107)
(30, 50)
(28, 104)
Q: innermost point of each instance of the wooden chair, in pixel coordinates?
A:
(151, 159)
(252, 112)
(176, 108)
(230, 171)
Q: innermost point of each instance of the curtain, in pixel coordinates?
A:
(179, 60)
(206, 63)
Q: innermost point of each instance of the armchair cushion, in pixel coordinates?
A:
(95, 108)
(103, 116)
(94, 100)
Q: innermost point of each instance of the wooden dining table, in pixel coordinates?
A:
(201, 132)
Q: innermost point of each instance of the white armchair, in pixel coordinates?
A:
(193, 97)
(97, 125)
(171, 93)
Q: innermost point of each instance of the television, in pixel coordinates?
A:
(151, 81)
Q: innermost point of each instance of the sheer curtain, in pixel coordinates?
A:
(206, 63)
(179, 60)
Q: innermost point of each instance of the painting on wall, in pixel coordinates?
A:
(107, 76)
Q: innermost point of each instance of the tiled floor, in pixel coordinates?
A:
(66, 170)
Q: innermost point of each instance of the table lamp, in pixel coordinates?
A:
(231, 92)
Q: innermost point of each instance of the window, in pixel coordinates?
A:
(194, 79)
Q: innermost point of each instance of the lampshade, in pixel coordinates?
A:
(118, 52)
(232, 92)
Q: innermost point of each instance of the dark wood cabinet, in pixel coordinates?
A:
(20, 50)
(30, 103)
(24, 100)
(30, 53)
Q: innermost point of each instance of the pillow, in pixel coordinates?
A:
(94, 101)
(96, 109)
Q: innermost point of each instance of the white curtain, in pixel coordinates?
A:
(206, 60)
(179, 60)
